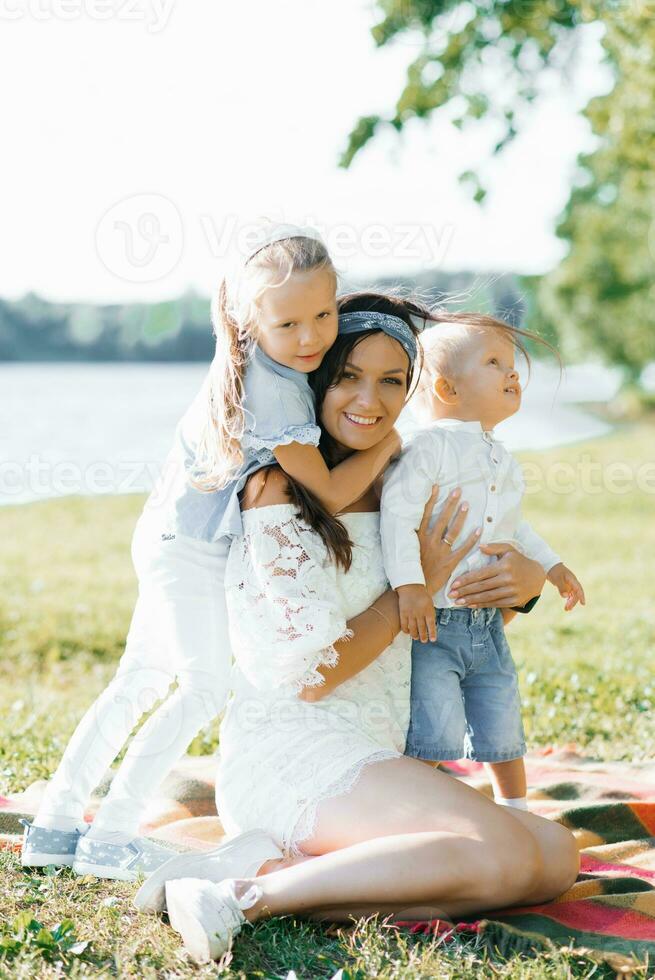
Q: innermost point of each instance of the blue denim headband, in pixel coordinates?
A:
(393, 326)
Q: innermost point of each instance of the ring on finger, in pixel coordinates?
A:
(446, 541)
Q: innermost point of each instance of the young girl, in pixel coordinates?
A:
(274, 320)
(465, 698)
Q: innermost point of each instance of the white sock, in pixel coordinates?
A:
(517, 802)
(56, 821)
(118, 837)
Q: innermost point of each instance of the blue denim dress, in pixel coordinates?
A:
(279, 409)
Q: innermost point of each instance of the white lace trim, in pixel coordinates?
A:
(308, 434)
(327, 657)
(305, 825)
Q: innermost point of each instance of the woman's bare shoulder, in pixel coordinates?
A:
(265, 488)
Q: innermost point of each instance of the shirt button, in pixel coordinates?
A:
(493, 487)
(489, 520)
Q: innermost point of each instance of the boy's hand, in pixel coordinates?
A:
(565, 581)
(417, 615)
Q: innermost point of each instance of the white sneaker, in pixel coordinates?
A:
(206, 915)
(239, 857)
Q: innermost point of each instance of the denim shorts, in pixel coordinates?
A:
(465, 696)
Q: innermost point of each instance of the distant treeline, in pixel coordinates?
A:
(32, 329)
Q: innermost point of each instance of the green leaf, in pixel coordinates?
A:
(64, 928)
(24, 923)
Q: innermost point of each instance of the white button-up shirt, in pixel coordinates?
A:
(453, 454)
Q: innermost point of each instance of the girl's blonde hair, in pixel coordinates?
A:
(235, 314)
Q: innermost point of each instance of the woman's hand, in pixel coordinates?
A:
(511, 581)
(438, 557)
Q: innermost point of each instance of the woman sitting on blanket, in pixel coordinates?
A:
(332, 819)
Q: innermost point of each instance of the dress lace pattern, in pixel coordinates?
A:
(289, 604)
(279, 583)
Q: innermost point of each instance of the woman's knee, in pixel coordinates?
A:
(560, 855)
(555, 868)
(513, 867)
(563, 864)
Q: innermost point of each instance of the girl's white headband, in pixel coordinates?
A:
(266, 235)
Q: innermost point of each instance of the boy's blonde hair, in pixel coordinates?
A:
(446, 341)
(235, 314)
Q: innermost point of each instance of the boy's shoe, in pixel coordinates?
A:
(119, 862)
(207, 915)
(42, 846)
(240, 857)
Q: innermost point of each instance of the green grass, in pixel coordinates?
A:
(66, 593)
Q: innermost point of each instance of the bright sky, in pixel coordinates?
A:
(140, 134)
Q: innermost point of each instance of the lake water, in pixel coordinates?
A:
(106, 428)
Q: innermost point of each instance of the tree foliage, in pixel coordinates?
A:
(32, 329)
(602, 295)
(472, 61)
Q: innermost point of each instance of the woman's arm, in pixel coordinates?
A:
(372, 633)
(376, 627)
(338, 487)
(511, 581)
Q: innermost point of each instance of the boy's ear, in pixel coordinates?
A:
(444, 389)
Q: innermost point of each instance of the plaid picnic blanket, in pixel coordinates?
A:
(610, 807)
(609, 913)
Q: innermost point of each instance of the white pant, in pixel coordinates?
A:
(179, 631)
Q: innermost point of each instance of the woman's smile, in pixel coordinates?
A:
(375, 376)
(362, 420)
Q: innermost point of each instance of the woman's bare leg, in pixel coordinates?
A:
(278, 864)
(550, 836)
(410, 836)
(455, 875)
(429, 799)
(559, 851)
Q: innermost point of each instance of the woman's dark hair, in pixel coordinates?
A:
(310, 509)
(417, 316)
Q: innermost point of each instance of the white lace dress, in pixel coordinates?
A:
(288, 605)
